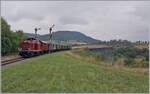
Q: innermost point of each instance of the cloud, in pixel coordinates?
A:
(143, 12)
(72, 20)
(102, 20)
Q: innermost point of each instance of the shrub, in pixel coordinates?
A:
(141, 63)
(131, 52)
(145, 53)
(129, 61)
(144, 64)
(98, 56)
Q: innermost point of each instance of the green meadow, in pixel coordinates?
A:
(64, 72)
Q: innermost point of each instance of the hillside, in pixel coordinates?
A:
(65, 72)
(66, 35)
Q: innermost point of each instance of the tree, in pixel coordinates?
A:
(5, 37)
(10, 40)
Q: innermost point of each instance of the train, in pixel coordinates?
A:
(32, 47)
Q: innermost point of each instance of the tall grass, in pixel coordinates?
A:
(87, 53)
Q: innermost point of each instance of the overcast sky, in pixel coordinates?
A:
(98, 19)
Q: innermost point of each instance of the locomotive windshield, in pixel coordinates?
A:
(31, 39)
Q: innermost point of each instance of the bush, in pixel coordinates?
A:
(144, 64)
(119, 52)
(98, 56)
(129, 61)
(145, 53)
(131, 52)
(141, 63)
(136, 62)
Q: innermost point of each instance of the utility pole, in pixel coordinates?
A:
(50, 35)
(36, 29)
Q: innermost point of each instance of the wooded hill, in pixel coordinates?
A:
(66, 35)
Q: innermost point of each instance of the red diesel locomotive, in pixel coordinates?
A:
(33, 47)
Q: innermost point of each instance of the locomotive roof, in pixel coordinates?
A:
(58, 42)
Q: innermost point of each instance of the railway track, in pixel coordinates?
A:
(6, 62)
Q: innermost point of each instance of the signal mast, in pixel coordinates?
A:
(36, 29)
(50, 32)
(50, 35)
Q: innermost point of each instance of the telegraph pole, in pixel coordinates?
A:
(50, 35)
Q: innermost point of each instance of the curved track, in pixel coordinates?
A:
(6, 62)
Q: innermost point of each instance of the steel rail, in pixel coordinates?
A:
(6, 62)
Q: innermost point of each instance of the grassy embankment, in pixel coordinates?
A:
(66, 72)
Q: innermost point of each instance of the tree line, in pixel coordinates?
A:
(9, 39)
(123, 42)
